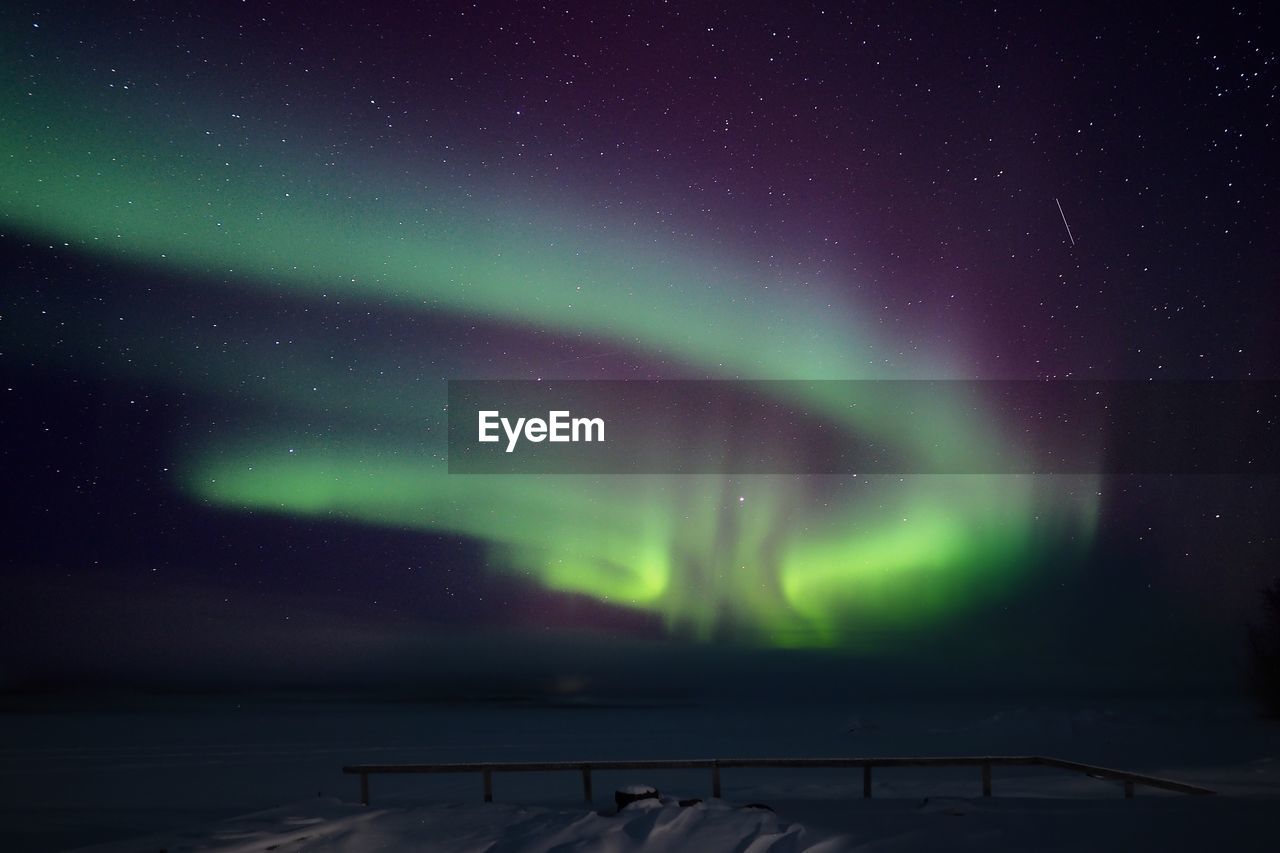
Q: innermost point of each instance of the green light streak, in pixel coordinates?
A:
(766, 559)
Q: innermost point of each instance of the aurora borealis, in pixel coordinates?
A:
(683, 550)
(296, 229)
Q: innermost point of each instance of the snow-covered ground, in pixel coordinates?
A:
(825, 826)
(259, 776)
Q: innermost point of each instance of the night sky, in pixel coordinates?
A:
(245, 245)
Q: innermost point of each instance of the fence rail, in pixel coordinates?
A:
(715, 765)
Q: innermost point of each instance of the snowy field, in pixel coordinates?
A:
(203, 775)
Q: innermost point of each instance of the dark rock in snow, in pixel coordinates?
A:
(624, 797)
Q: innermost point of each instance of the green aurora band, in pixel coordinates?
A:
(789, 561)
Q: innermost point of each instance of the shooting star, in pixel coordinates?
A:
(1064, 222)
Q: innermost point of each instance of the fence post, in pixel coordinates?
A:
(866, 781)
(364, 789)
(715, 778)
(488, 785)
(1128, 790)
(586, 783)
(986, 778)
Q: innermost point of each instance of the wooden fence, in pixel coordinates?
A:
(715, 765)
